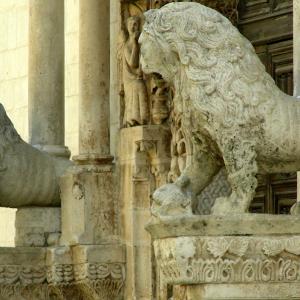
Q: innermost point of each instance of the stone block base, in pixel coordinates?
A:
(229, 257)
(37, 226)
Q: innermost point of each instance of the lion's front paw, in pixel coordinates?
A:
(171, 200)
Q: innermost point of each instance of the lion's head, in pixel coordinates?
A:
(206, 58)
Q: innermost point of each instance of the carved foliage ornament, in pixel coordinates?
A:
(83, 281)
(193, 260)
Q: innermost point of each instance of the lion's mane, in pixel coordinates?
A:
(223, 76)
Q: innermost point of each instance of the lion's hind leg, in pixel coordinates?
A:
(240, 162)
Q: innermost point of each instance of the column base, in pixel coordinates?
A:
(55, 150)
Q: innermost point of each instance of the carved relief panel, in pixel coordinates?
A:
(144, 99)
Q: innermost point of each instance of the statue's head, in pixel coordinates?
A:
(133, 25)
(177, 34)
(208, 56)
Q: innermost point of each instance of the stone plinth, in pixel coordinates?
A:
(37, 226)
(88, 203)
(229, 257)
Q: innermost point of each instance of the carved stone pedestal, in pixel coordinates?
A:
(144, 161)
(228, 257)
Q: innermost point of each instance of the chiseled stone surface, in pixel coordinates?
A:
(246, 224)
(232, 111)
(37, 226)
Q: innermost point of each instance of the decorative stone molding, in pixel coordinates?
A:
(195, 260)
(63, 273)
(94, 281)
(22, 274)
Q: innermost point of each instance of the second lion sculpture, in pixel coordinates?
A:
(233, 114)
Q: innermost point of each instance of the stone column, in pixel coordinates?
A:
(94, 61)
(46, 76)
(88, 191)
(296, 67)
(296, 41)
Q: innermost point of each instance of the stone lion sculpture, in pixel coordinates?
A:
(28, 176)
(233, 113)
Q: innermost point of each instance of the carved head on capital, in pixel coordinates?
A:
(133, 26)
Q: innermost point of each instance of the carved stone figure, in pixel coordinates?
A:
(27, 176)
(233, 114)
(135, 91)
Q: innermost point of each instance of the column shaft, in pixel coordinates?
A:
(296, 68)
(94, 62)
(46, 75)
(296, 41)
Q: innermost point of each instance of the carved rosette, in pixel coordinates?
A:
(197, 260)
